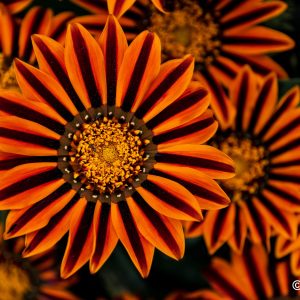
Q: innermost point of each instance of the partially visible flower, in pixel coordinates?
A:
(105, 144)
(287, 247)
(15, 37)
(251, 276)
(30, 278)
(223, 36)
(263, 140)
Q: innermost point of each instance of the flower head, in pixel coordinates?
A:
(223, 36)
(263, 140)
(102, 145)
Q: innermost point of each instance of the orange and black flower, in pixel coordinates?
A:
(286, 247)
(30, 278)
(263, 139)
(252, 276)
(222, 35)
(15, 37)
(105, 144)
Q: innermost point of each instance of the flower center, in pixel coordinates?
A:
(250, 161)
(187, 29)
(7, 75)
(106, 156)
(14, 281)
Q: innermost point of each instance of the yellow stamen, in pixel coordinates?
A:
(187, 30)
(250, 164)
(14, 282)
(7, 75)
(108, 155)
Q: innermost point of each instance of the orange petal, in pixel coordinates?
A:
(105, 238)
(85, 65)
(139, 249)
(170, 198)
(207, 159)
(171, 82)
(208, 193)
(46, 237)
(164, 233)
(80, 241)
(284, 247)
(94, 6)
(139, 68)
(15, 6)
(113, 44)
(119, 7)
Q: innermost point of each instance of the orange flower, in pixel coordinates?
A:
(15, 37)
(30, 278)
(223, 36)
(263, 140)
(252, 276)
(103, 145)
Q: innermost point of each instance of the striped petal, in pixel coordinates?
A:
(139, 68)
(284, 247)
(37, 20)
(170, 198)
(15, 6)
(207, 159)
(257, 40)
(162, 232)
(218, 227)
(138, 248)
(208, 193)
(80, 241)
(119, 7)
(50, 56)
(39, 86)
(29, 219)
(46, 237)
(173, 79)
(94, 6)
(114, 45)
(85, 65)
(105, 238)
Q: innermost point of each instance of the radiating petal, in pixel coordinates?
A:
(119, 7)
(138, 248)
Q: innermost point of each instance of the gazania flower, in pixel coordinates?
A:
(29, 278)
(15, 37)
(286, 247)
(222, 35)
(105, 144)
(252, 276)
(263, 140)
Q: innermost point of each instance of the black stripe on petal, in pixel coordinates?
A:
(164, 86)
(55, 220)
(158, 223)
(183, 131)
(218, 226)
(285, 178)
(194, 162)
(252, 41)
(230, 72)
(193, 188)
(138, 72)
(29, 114)
(283, 194)
(170, 199)
(241, 100)
(29, 138)
(80, 237)
(290, 163)
(249, 17)
(43, 91)
(177, 107)
(133, 234)
(282, 109)
(38, 207)
(60, 73)
(102, 231)
(287, 147)
(19, 160)
(262, 97)
(84, 63)
(29, 183)
(111, 63)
